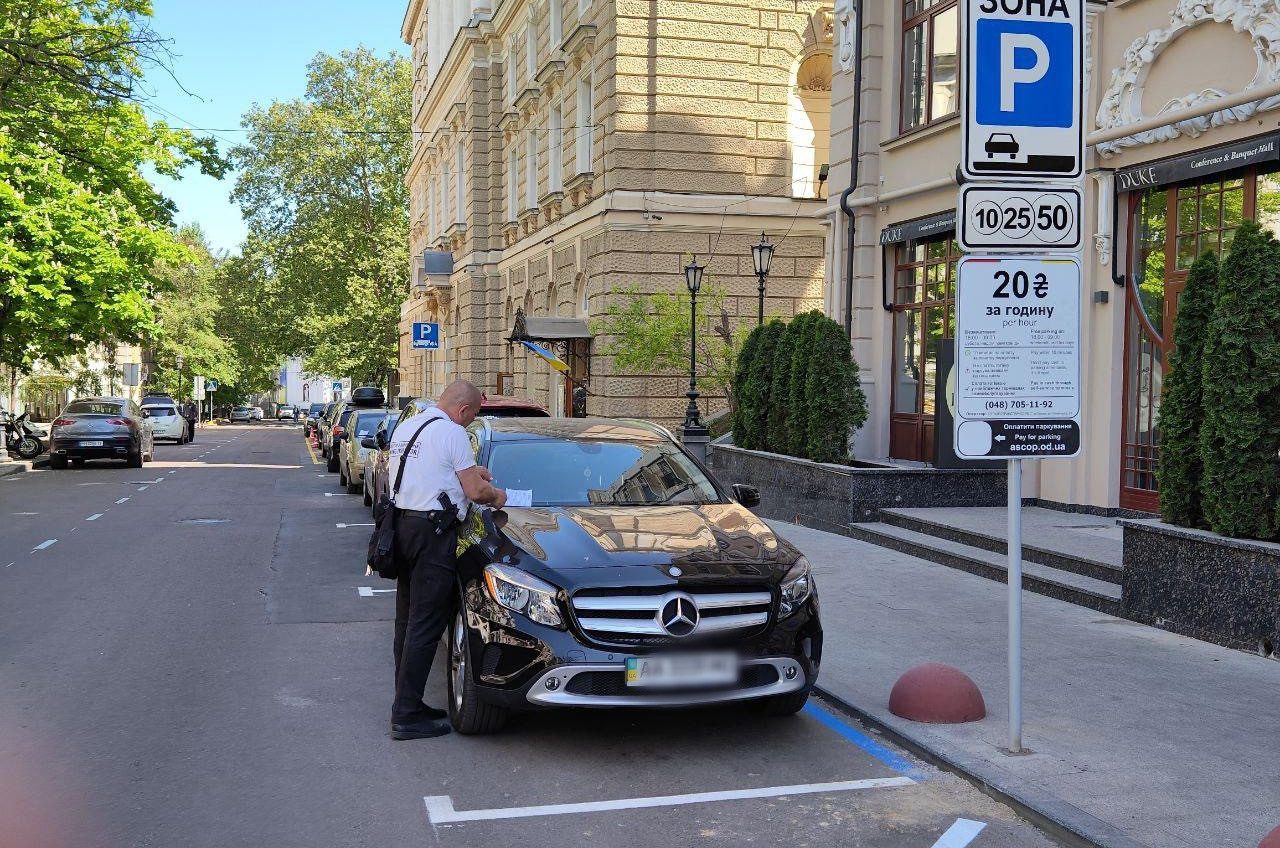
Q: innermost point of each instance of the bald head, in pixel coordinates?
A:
(460, 400)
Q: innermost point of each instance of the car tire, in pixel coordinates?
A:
(368, 499)
(354, 488)
(332, 465)
(467, 713)
(784, 705)
(58, 462)
(135, 459)
(342, 476)
(78, 462)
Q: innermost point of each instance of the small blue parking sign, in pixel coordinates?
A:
(426, 336)
(1020, 84)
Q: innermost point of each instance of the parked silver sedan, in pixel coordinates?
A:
(100, 428)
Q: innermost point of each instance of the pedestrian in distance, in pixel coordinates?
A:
(440, 487)
(191, 412)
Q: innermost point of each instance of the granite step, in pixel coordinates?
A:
(1085, 566)
(1069, 586)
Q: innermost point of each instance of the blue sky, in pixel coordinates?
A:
(231, 54)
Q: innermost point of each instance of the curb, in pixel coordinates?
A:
(1065, 822)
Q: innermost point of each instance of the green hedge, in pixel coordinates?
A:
(797, 389)
(1240, 435)
(1181, 409)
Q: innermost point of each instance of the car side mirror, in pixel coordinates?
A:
(748, 496)
(381, 441)
(146, 414)
(368, 442)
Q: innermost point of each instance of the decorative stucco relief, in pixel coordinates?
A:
(845, 27)
(1122, 101)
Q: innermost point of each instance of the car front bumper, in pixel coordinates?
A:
(522, 664)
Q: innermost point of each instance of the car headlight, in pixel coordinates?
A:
(797, 587)
(523, 593)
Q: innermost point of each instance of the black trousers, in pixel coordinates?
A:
(425, 597)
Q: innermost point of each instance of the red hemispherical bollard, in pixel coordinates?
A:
(937, 694)
(1271, 840)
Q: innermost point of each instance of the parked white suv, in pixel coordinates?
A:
(166, 423)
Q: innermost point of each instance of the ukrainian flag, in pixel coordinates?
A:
(544, 354)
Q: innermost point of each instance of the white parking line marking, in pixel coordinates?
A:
(94, 517)
(46, 543)
(142, 488)
(339, 526)
(334, 494)
(440, 807)
(26, 513)
(122, 500)
(369, 591)
(12, 563)
(960, 834)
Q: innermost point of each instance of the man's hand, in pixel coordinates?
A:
(477, 485)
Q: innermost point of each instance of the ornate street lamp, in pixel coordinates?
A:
(695, 433)
(761, 254)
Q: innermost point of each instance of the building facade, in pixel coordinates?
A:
(569, 153)
(1181, 147)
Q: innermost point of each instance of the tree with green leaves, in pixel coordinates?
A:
(1240, 435)
(322, 188)
(82, 231)
(834, 404)
(1182, 407)
(649, 333)
(754, 371)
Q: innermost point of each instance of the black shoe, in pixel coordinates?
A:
(433, 713)
(420, 729)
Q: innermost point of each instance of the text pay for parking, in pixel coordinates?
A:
(1017, 357)
(1022, 218)
(1023, 89)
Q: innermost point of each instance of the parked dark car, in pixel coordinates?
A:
(634, 580)
(332, 437)
(100, 428)
(493, 406)
(314, 412)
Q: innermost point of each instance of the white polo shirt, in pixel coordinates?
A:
(438, 455)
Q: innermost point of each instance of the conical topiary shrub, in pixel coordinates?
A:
(756, 367)
(1241, 390)
(834, 404)
(802, 363)
(1181, 409)
(741, 389)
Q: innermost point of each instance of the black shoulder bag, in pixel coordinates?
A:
(382, 542)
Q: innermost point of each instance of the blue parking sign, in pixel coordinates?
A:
(1023, 75)
(426, 336)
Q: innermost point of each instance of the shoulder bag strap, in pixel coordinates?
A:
(405, 456)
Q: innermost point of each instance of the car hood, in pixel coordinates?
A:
(706, 538)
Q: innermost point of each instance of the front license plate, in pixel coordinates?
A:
(683, 670)
(91, 444)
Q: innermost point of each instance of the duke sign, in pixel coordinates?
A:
(1023, 89)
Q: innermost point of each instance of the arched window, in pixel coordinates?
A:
(809, 129)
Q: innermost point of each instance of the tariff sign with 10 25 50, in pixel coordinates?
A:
(1019, 217)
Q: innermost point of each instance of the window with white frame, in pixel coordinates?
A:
(460, 170)
(555, 147)
(556, 25)
(530, 51)
(531, 169)
(513, 167)
(930, 61)
(585, 129)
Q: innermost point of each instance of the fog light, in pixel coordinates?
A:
(790, 672)
(552, 684)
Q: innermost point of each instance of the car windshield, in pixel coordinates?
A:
(89, 407)
(368, 422)
(316, 409)
(160, 411)
(241, 409)
(566, 472)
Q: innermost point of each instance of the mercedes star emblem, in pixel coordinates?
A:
(679, 615)
(674, 571)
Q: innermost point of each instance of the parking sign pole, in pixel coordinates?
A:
(1015, 605)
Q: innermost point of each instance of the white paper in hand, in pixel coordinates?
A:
(519, 497)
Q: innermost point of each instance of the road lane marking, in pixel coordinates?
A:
(142, 488)
(334, 494)
(122, 500)
(892, 759)
(312, 451)
(94, 517)
(26, 513)
(369, 591)
(960, 834)
(46, 543)
(339, 526)
(440, 807)
(12, 563)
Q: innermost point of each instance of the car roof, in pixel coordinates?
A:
(99, 399)
(595, 429)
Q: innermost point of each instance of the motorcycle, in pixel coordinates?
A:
(20, 438)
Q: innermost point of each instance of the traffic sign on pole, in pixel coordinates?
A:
(426, 336)
(1018, 357)
(1019, 217)
(1023, 89)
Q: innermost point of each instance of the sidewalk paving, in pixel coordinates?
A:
(1139, 737)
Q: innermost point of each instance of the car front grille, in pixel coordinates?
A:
(614, 683)
(634, 617)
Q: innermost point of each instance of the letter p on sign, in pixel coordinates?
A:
(1010, 74)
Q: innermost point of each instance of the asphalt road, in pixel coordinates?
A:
(188, 658)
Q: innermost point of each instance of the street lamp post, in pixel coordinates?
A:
(177, 360)
(696, 434)
(761, 255)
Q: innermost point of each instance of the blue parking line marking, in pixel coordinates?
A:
(891, 759)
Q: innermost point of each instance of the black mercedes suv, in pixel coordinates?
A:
(634, 580)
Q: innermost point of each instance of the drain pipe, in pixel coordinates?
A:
(853, 171)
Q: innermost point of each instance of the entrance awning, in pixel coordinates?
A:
(548, 329)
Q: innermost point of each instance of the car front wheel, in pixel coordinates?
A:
(466, 712)
(784, 705)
